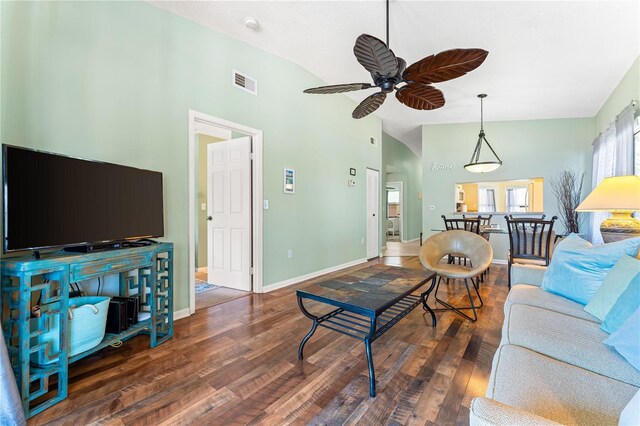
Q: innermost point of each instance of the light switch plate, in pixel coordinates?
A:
(265, 204)
(203, 207)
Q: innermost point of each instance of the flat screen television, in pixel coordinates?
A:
(52, 200)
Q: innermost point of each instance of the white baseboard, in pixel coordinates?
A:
(182, 313)
(499, 261)
(410, 241)
(296, 280)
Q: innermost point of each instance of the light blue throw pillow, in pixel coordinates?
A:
(578, 268)
(626, 341)
(625, 306)
(616, 282)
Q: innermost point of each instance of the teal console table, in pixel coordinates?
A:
(146, 272)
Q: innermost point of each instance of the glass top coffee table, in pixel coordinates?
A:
(367, 303)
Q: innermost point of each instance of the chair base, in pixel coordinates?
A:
(458, 309)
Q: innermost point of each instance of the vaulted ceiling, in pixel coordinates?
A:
(547, 59)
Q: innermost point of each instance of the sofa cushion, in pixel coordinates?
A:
(567, 339)
(527, 274)
(578, 268)
(615, 283)
(556, 390)
(535, 296)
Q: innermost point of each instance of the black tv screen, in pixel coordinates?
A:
(54, 200)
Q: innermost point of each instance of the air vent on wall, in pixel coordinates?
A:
(245, 82)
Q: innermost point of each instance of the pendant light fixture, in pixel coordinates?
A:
(475, 165)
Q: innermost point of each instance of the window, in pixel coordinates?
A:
(517, 199)
(487, 200)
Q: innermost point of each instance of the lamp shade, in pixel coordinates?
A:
(614, 193)
(484, 167)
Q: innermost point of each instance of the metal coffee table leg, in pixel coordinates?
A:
(310, 333)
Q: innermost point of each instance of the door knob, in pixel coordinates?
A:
(209, 218)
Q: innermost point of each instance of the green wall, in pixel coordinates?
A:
(528, 149)
(114, 81)
(627, 89)
(400, 164)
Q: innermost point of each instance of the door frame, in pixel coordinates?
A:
(401, 203)
(196, 118)
(378, 250)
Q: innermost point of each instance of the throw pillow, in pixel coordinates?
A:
(626, 340)
(625, 306)
(614, 284)
(578, 268)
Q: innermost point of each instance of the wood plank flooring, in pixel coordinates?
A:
(236, 363)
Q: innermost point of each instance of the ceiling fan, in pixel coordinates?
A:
(412, 84)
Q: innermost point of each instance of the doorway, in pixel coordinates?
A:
(373, 216)
(225, 221)
(395, 211)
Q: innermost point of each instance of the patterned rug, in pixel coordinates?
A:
(202, 286)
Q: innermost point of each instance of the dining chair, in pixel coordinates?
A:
(464, 224)
(531, 241)
(485, 221)
(510, 216)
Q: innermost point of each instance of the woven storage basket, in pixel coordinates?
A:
(87, 321)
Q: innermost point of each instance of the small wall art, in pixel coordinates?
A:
(289, 181)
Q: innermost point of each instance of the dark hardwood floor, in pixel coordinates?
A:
(236, 363)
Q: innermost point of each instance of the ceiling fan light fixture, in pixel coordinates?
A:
(389, 71)
(475, 165)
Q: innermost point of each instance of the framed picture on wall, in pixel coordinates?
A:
(289, 181)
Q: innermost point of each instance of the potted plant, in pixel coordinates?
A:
(567, 188)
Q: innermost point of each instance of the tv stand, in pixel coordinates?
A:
(26, 281)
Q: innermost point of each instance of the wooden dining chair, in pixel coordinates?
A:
(485, 221)
(530, 241)
(464, 224)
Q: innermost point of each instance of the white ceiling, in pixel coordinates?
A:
(547, 59)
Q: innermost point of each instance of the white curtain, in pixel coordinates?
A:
(612, 156)
(487, 200)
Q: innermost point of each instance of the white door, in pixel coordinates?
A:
(229, 213)
(373, 219)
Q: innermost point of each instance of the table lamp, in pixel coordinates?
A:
(619, 195)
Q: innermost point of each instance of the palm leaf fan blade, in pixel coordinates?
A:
(445, 65)
(375, 56)
(338, 88)
(420, 96)
(369, 105)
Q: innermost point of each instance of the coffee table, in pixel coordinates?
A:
(368, 303)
